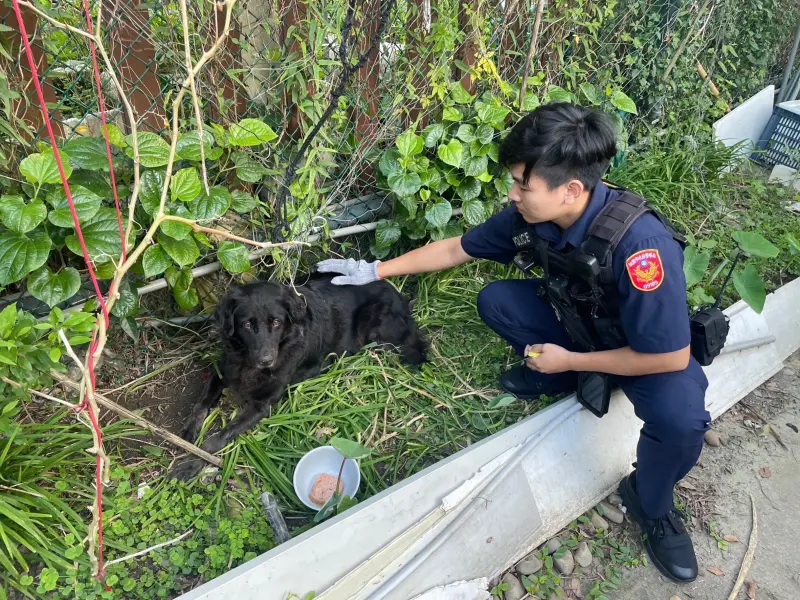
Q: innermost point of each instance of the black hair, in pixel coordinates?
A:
(559, 142)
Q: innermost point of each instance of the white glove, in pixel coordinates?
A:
(354, 272)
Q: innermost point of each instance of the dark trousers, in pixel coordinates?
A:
(672, 405)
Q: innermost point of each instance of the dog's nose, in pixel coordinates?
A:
(265, 362)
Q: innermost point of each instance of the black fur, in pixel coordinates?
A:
(274, 337)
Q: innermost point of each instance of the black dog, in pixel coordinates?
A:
(274, 336)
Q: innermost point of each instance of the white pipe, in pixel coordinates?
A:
(477, 501)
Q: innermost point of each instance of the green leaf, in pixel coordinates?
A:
(8, 318)
(233, 257)
(466, 133)
(451, 114)
(438, 215)
(88, 153)
(622, 101)
(432, 134)
(101, 234)
(476, 166)
(501, 400)
(409, 143)
(558, 94)
(242, 202)
(128, 302)
(153, 150)
(349, 448)
(695, 263)
(750, 286)
(150, 191)
(591, 93)
(20, 254)
(188, 147)
(484, 134)
(755, 244)
(155, 261)
(174, 229)
(493, 115)
(54, 288)
(185, 185)
(387, 233)
(115, 136)
(503, 183)
(186, 298)
(389, 162)
(184, 252)
(474, 211)
(212, 205)
(459, 94)
(94, 181)
(469, 188)
(405, 184)
(42, 168)
(530, 102)
(250, 132)
(794, 245)
(247, 168)
(86, 202)
(451, 153)
(55, 355)
(19, 216)
(410, 202)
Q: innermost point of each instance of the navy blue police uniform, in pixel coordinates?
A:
(648, 270)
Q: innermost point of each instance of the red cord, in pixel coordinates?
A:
(101, 102)
(87, 260)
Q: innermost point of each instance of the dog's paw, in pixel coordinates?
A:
(186, 469)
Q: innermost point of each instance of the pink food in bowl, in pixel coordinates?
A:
(323, 487)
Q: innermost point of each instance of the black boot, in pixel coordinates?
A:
(525, 385)
(667, 541)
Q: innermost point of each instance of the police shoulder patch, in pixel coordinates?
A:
(645, 270)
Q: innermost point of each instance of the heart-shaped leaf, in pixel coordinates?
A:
(451, 114)
(20, 254)
(503, 183)
(115, 136)
(695, 263)
(387, 233)
(101, 234)
(404, 184)
(94, 181)
(152, 184)
(491, 114)
(591, 93)
(153, 150)
(185, 185)
(42, 168)
(128, 302)
(155, 261)
(212, 205)
(242, 202)
(20, 216)
(755, 244)
(622, 101)
(88, 153)
(409, 143)
(188, 147)
(466, 133)
(476, 166)
(184, 252)
(468, 189)
(432, 134)
(54, 288)
(250, 132)
(175, 229)
(247, 168)
(438, 215)
(750, 286)
(451, 153)
(390, 162)
(86, 203)
(484, 134)
(474, 211)
(349, 448)
(459, 94)
(233, 257)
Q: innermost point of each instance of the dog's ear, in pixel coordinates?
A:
(225, 312)
(295, 304)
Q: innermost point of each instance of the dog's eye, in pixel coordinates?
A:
(246, 325)
(276, 323)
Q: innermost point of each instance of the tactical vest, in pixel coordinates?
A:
(580, 284)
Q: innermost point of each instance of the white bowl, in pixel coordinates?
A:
(325, 459)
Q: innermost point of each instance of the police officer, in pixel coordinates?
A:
(557, 155)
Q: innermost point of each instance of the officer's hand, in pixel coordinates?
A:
(551, 359)
(354, 272)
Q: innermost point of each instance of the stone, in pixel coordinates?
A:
(712, 438)
(675, 598)
(612, 513)
(529, 565)
(553, 545)
(557, 595)
(572, 587)
(598, 521)
(583, 556)
(614, 499)
(515, 590)
(565, 564)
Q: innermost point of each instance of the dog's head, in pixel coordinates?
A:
(258, 319)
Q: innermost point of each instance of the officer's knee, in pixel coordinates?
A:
(671, 425)
(489, 302)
